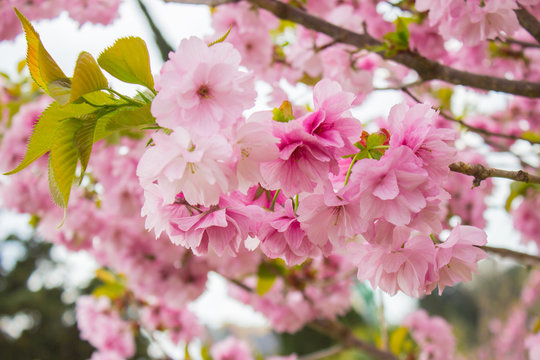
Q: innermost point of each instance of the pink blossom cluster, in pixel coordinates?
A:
(82, 11)
(320, 290)
(101, 325)
(471, 21)
(323, 194)
(433, 335)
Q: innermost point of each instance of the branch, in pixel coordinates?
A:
(344, 335)
(519, 256)
(472, 128)
(323, 354)
(480, 172)
(339, 332)
(528, 22)
(162, 44)
(202, 2)
(427, 69)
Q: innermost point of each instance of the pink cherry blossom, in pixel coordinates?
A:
(402, 265)
(196, 167)
(458, 256)
(433, 334)
(201, 88)
(392, 188)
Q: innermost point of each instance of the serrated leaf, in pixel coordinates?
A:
(129, 117)
(87, 77)
(60, 90)
(43, 68)
(265, 279)
(64, 156)
(375, 139)
(84, 139)
(53, 187)
(128, 60)
(45, 129)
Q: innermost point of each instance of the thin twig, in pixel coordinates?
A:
(523, 258)
(202, 2)
(480, 172)
(344, 335)
(162, 44)
(337, 331)
(322, 354)
(472, 128)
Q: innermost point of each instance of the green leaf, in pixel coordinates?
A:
(531, 136)
(112, 291)
(129, 117)
(84, 140)
(397, 340)
(221, 39)
(63, 159)
(284, 113)
(60, 90)
(517, 189)
(265, 278)
(87, 77)
(375, 139)
(43, 68)
(128, 60)
(44, 131)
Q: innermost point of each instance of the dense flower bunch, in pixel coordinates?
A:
(82, 11)
(306, 195)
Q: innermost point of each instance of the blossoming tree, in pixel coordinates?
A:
(294, 202)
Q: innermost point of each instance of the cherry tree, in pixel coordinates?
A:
(292, 202)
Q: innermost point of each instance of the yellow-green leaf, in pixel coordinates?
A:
(397, 339)
(43, 68)
(64, 156)
(45, 129)
(128, 60)
(87, 77)
(60, 90)
(130, 117)
(84, 139)
(265, 279)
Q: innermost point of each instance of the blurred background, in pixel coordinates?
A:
(39, 283)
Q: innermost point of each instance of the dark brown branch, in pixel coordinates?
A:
(344, 335)
(341, 333)
(472, 128)
(323, 354)
(516, 255)
(528, 22)
(480, 172)
(202, 2)
(162, 44)
(427, 69)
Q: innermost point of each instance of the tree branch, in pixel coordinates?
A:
(472, 128)
(427, 69)
(516, 255)
(344, 335)
(480, 172)
(162, 44)
(337, 331)
(528, 22)
(323, 354)
(202, 2)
